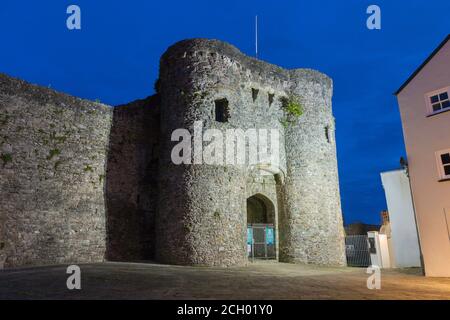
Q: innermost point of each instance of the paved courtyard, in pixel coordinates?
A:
(261, 280)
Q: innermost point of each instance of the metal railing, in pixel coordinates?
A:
(357, 251)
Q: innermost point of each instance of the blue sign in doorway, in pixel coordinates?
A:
(270, 235)
(249, 236)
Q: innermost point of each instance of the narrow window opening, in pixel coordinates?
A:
(254, 94)
(278, 179)
(271, 97)
(327, 134)
(221, 110)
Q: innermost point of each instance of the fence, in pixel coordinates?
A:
(357, 251)
(261, 241)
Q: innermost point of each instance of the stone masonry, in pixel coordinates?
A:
(52, 174)
(81, 181)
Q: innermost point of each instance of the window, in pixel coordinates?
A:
(443, 160)
(327, 134)
(254, 94)
(271, 96)
(439, 100)
(221, 110)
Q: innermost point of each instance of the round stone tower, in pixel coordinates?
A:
(202, 206)
(312, 199)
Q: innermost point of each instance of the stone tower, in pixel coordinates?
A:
(201, 216)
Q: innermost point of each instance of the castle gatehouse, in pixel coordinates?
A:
(84, 182)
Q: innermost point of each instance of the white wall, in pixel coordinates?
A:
(401, 214)
(424, 136)
(381, 256)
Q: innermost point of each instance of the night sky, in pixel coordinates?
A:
(115, 56)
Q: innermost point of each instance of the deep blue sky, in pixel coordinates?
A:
(114, 58)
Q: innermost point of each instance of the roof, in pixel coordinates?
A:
(423, 64)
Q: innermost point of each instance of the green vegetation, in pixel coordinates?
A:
(52, 140)
(292, 106)
(284, 123)
(52, 153)
(52, 137)
(292, 109)
(88, 168)
(57, 139)
(6, 158)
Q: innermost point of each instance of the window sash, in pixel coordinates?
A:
(447, 170)
(439, 100)
(443, 161)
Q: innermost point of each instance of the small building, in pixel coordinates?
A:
(425, 112)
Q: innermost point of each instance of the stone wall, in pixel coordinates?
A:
(131, 180)
(78, 178)
(52, 176)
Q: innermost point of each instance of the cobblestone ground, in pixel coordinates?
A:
(261, 280)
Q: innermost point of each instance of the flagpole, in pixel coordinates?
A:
(256, 35)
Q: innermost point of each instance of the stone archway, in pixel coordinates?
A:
(260, 209)
(261, 227)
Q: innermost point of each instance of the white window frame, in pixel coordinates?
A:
(440, 165)
(429, 105)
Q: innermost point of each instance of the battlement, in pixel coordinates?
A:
(193, 64)
(213, 51)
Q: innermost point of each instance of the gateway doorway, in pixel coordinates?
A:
(260, 228)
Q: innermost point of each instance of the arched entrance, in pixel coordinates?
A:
(261, 240)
